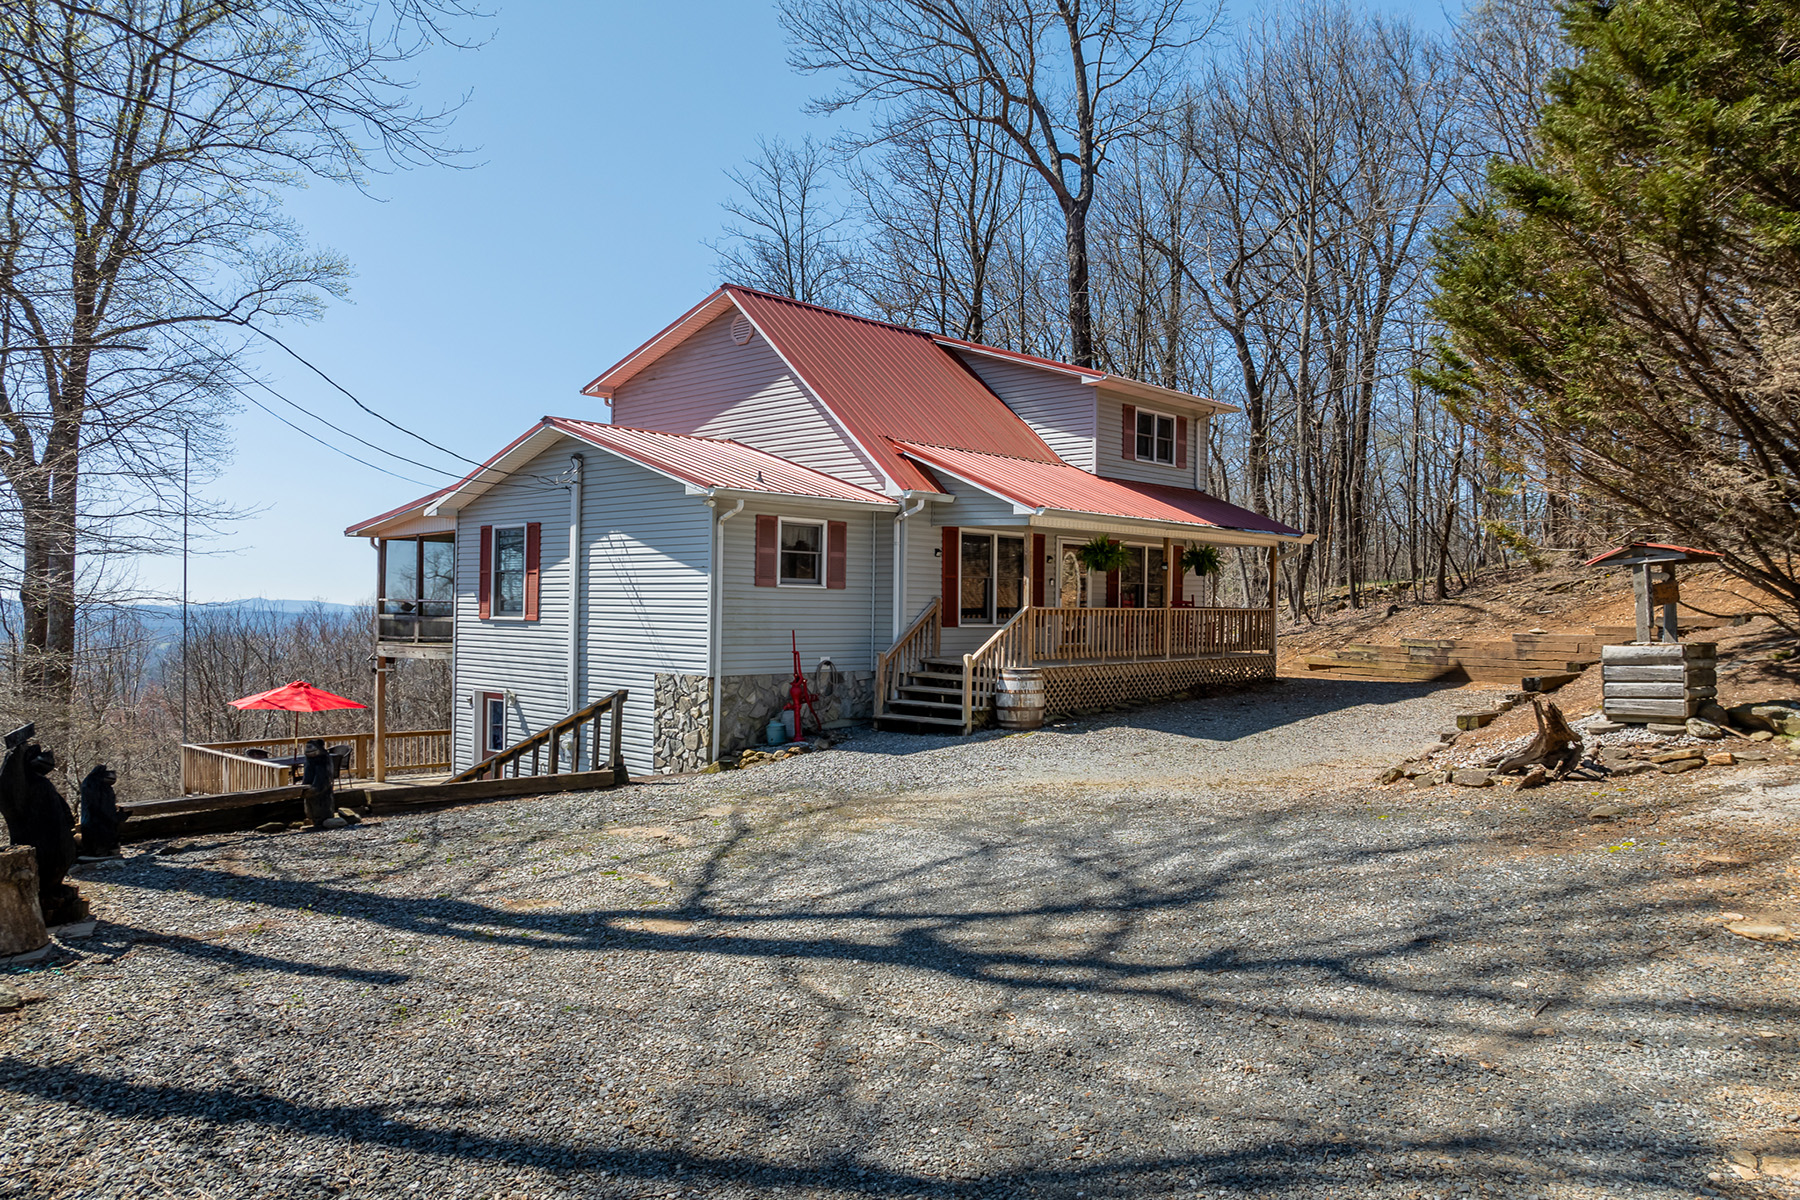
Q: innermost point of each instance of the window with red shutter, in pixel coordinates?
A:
(485, 579)
(1181, 424)
(534, 549)
(837, 553)
(1040, 568)
(768, 549)
(1128, 430)
(951, 605)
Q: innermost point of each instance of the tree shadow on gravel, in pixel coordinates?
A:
(1286, 941)
(1294, 1158)
(960, 914)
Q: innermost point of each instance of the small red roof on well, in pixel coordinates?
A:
(1628, 547)
(715, 462)
(1061, 486)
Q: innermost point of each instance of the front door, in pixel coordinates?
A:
(490, 725)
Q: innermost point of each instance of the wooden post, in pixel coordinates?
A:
(1665, 591)
(378, 756)
(1274, 593)
(1640, 589)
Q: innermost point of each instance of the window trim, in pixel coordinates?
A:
(824, 551)
(494, 613)
(993, 537)
(1174, 435)
(1143, 550)
(487, 698)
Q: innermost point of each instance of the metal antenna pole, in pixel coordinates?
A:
(184, 586)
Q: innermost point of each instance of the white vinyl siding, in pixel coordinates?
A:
(644, 588)
(712, 386)
(526, 658)
(848, 625)
(1109, 443)
(1059, 408)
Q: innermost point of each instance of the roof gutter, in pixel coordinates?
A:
(899, 573)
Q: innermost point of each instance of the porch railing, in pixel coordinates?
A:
(1009, 647)
(408, 751)
(1064, 635)
(412, 620)
(923, 639)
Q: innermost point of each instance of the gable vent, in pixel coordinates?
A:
(741, 329)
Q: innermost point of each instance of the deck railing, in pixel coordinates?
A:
(545, 747)
(923, 639)
(408, 751)
(206, 770)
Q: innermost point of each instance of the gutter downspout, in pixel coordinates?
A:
(900, 563)
(716, 648)
(576, 464)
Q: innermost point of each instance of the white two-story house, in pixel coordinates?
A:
(903, 508)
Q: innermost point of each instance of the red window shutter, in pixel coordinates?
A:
(1038, 570)
(534, 541)
(1112, 586)
(952, 602)
(837, 552)
(1181, 441)
(485, 565)
(1128, 449)
(768, 550)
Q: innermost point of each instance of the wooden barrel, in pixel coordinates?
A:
(1019, 698)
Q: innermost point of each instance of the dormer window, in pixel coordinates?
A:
(1155, 437)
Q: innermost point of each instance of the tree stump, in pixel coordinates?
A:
(21, 920)
(1556, 748)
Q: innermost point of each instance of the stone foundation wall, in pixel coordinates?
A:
(751, 701)
(683, 722)
(684, 711)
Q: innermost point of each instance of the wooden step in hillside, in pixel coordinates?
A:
(1556, 656)
(1551, 657)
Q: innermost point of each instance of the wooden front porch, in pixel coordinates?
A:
(1090, 657)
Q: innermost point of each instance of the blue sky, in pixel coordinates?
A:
(485, 297)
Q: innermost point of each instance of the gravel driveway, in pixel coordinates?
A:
(1176, 952)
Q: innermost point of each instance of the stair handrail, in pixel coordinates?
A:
(497, 762)
(887, 677)
(1012, 642)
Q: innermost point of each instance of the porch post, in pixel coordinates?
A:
(1171, 574)
(378, 756)
(1274, 594)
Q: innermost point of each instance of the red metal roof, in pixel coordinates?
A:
(1058, 485)
(715, 463)
(888, 383)
(1629, 547)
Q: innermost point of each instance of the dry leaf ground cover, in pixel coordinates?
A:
(1181, 951)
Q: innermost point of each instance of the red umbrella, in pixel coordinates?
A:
(297, 697)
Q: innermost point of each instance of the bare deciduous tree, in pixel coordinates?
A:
(144, 148)
(787, 238)
(1064, 82)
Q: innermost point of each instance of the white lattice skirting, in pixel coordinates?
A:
(1097, 685)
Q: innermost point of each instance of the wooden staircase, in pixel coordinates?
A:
(928, 699)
